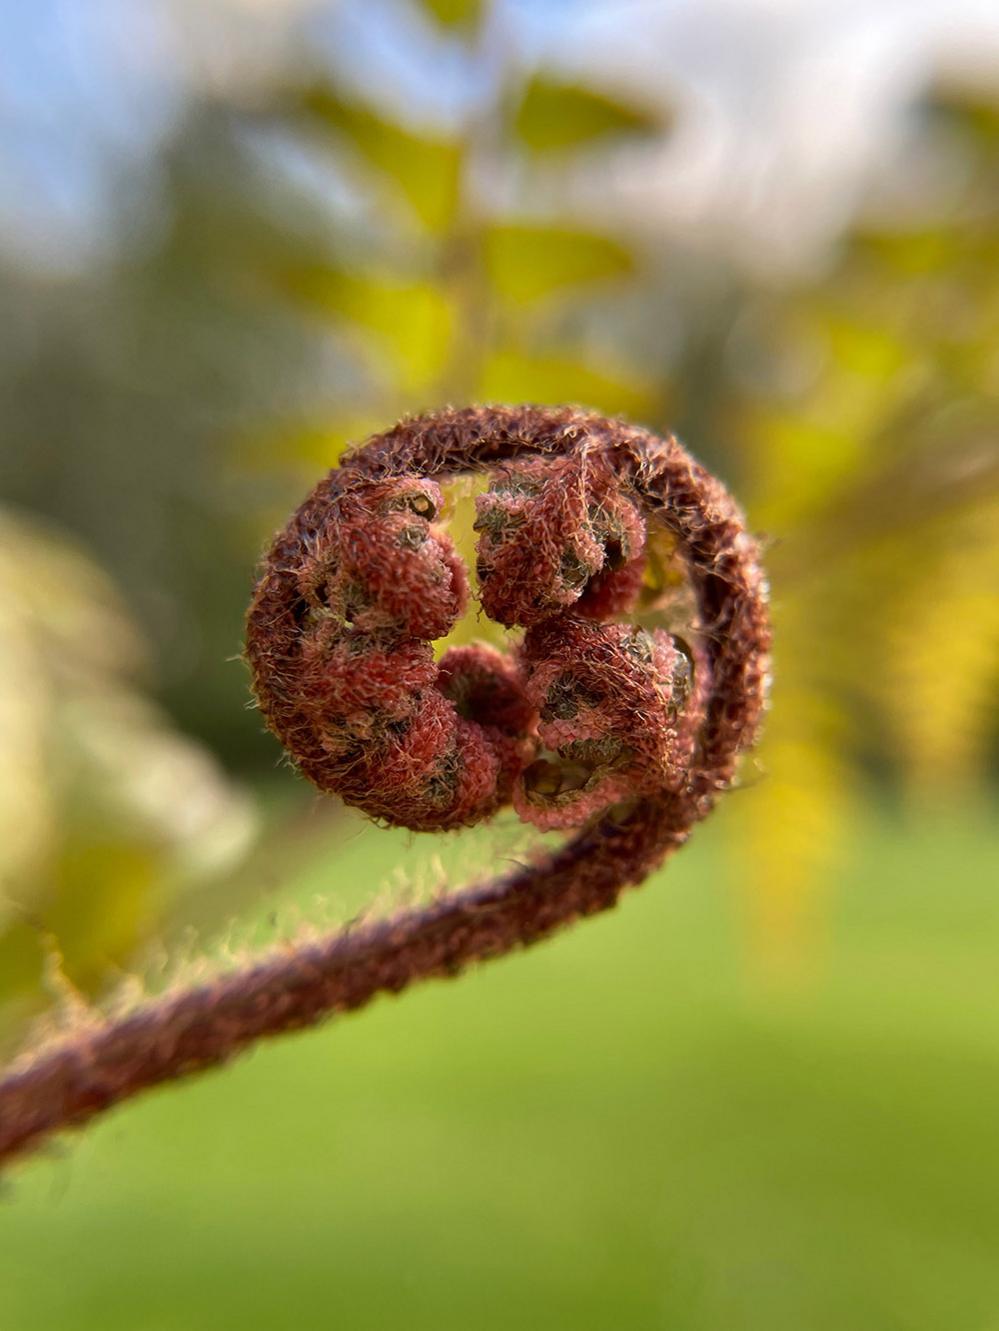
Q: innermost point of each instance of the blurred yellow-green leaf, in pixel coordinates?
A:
(456, 13)
(938, 684)
(412, 322)
(528, 261)
(512, 375)
(910, 252)
(556, 117)
(976, 116)
(106, 809)
(423, 168)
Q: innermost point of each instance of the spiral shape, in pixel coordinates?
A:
(625, 733)
(585, 713)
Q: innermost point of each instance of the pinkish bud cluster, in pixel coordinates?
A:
(363, 706)
(555, 533)
(381, 565)
(617, 710)
(624, 732)
(582, 716)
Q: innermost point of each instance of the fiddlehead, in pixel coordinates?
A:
(624, 733)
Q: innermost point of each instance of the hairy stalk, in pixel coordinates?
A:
(640, 736)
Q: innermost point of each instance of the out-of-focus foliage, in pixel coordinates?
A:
(880, 481)
(105, 811)
(310, 262)
(527, 262)
(461, 12)
(554, 117)
(422, 171)
(449, 300)
(119, 392)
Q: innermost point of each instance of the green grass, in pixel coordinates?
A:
(618, 1130)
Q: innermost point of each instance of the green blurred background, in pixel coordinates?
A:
(236, 237)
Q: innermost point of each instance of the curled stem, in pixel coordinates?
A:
(327, 625)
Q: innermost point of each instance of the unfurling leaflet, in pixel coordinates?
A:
(584, 713)
(598, 719)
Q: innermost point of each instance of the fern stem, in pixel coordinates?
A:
(93, 1068)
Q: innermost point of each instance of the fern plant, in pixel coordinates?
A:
(622, 734)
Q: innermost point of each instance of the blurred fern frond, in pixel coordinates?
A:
(105, 810)
(881, 479)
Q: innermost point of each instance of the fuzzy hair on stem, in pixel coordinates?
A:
(623, 736)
